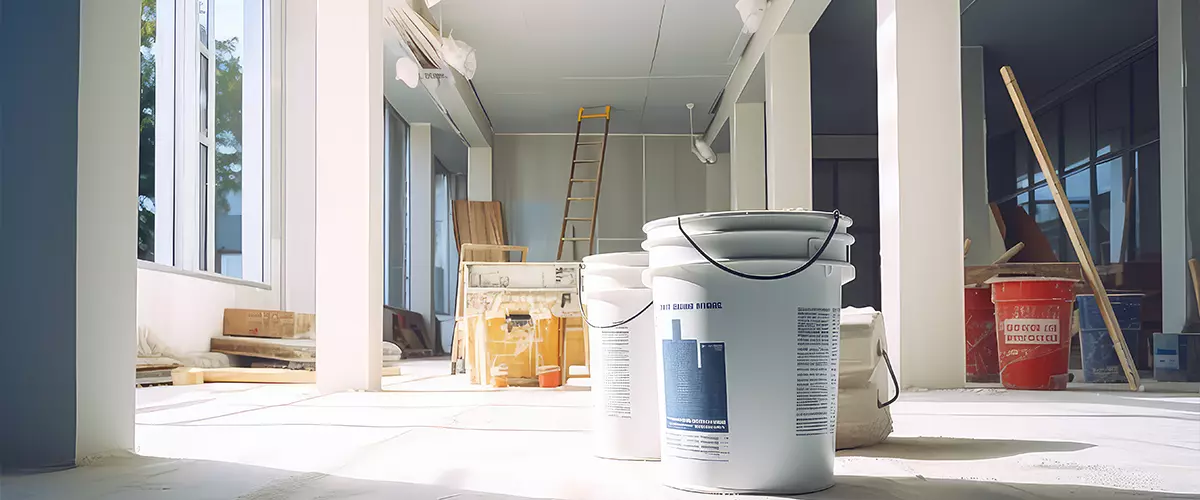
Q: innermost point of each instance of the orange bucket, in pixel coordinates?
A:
(983, 363)
(549, 376)
(1033, 331)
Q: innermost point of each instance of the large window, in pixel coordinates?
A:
(146, 133)
(1103, 139)
(204, 128)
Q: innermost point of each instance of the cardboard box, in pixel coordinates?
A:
(269, 324)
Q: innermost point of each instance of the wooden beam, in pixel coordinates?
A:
(977, 275)
(1012, 252)
(192, 376)
(1068, 217)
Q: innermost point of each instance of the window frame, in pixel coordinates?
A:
(184, 193)
(1126, 154)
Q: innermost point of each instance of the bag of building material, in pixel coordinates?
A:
(862, 380)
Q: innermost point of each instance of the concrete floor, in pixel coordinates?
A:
(432, 436)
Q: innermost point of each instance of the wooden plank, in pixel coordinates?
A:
(1194, 267)
(282, 349)
(1010, 253)
(187, 376)
(999, 220)
(1072, 225)
(191, 376)
(977, 275)
(460, 217)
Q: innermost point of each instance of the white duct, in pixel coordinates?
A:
(752, 12)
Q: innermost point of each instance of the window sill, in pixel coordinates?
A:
(204, 275)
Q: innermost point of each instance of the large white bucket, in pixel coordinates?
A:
(748, 367)
(625, 418)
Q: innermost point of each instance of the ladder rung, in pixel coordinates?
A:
(589, 143)
(576, 239)
(593, 198)
(587, 161)
(601, 115)
(583, 180)
(589, 219)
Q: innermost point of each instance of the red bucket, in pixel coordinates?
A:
(983, 363)
(1033, 331)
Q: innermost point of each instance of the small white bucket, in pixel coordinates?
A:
(624, 396)
(748, 367)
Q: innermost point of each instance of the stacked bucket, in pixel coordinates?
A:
(1018, 332)
(745, 311)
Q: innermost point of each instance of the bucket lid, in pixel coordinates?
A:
(1012, 279)
(631, 259)
(753, 266)
(741, 220)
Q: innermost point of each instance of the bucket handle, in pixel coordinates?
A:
(837, 216)
(583, 311)
(896, 383)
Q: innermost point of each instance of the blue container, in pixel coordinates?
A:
(1177, 357)
(1100, 361)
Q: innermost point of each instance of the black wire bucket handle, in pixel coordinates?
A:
(583, 311)
(896, 383)
(837, 217)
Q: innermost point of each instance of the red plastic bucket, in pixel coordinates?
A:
(983, 363)
(1033, 331)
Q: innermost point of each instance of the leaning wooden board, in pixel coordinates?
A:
(281, 349)
(1068, 217)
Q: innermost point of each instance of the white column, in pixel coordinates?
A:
(978, 224)
(421, 244)
(349, 140)
(789, 122)
(748, 156)
(920, 189)
(300, 160)
(106, 226)
(1179, 145)
(479, 173)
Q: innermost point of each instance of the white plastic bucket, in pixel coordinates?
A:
(625, 418)
(748, 367)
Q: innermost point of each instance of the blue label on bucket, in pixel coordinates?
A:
(694, 376)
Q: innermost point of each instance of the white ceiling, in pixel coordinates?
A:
(539, 60)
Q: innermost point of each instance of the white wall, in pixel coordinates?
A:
(106, 227)
(184, 311)
(645, 178)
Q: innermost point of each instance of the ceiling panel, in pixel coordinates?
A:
(539, 60)
(697, 38)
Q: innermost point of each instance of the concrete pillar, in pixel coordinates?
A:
(299, 157)
(479, 173)
(748, 156)
(1179, 145)
(789, 122)
(69, 147)
(978, 224)
(920, 189)
(420, 233)
(349, 141)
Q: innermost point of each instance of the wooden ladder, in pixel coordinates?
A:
(573, 196)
